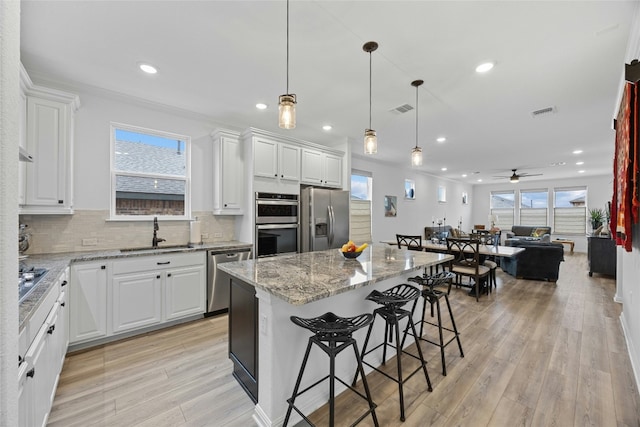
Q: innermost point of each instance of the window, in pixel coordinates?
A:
(360, 212)
(502, 204)
(150, 173)
(361, 183)
(569, 210)
(533, 207)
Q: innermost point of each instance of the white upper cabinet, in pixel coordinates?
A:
(228, 174)
(276, 160)
(321, 168)
(47, 186)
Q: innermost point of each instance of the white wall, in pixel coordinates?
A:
(628, 282)
(412, 215)
(599, 192)
(92, 144)
(9, 137)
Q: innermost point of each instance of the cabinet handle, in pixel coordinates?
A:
(19, 360)
(62, 304)
(103, 267)
(51, 329)
(164, 263)
(276, 175)
(158, 276)
(225, 205)
(31, 372)
(60, 202)
(63, 284)
(281, 176)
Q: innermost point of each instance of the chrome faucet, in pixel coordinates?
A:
(156, 239)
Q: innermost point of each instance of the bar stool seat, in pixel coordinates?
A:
(391, 312)
(432, 296)
(332, 334)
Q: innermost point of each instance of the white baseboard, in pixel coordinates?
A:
(631, 349)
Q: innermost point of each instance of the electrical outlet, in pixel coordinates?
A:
(217, 235)
(90, 242)
(204, 236)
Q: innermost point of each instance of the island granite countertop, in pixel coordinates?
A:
(56, 263)
(311, 276)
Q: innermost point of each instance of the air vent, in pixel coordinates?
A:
(402, 109)
(544, 112)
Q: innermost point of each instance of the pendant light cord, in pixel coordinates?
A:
(417, 116)
(287, 46)
(370, 78)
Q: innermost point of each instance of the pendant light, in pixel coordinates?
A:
(287, 102)
(370, 139)
(416, 153)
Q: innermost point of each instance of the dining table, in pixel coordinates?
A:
(490, 250)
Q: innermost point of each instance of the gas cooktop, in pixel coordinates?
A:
(28, 279)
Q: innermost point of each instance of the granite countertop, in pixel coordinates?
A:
(303, 278)
(56, 263)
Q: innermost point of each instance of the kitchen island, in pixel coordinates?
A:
(267, 348)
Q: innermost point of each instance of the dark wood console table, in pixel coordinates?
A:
(602, 256)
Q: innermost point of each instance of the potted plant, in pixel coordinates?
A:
(597, 217)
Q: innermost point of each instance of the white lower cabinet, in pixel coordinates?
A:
(136, 301)
(184, 294)
(88, 301)
(134, 293)
(39, 372)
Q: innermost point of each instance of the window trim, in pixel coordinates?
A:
(585, 207)
(520, 206)
(113, 126)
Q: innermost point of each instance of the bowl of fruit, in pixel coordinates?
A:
(350, 250)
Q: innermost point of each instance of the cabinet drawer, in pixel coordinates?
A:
(155, 262)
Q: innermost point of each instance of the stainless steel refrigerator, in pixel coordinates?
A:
(324, 219)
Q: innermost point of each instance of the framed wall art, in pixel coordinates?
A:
(409, 189)
(442, 194)
(465, 198)
(390, 205)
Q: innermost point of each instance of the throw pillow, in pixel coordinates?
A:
(538, 232)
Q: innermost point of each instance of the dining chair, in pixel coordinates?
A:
(488, 239)
(413, 243)
(466, 261)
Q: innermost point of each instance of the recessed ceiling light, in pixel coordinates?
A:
(579, 163)
(327, 127)
(261, 106)
(577, 151)
(443, 169)
(480, 180)
(441, 139)
(582, 171)
(464, 175)
(483, 68)
(149, 69)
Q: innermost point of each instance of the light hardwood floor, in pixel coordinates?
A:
(536, 354)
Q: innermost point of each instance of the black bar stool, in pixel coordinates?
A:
(432, 296)
(332, 335)
(392, 300)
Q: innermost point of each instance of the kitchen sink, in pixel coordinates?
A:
(159, 248)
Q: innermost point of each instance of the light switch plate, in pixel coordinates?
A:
(90, 242)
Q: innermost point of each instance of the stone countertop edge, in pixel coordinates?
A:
(57, 262)
(307, 277)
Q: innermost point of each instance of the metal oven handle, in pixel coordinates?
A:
(277, 202)
(275, 226)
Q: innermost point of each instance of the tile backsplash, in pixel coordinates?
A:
(65, 233)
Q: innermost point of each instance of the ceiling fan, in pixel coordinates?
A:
(515, 177)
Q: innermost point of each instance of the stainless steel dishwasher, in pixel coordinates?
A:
(218, 281)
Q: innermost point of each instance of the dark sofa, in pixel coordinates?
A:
(520, 231)
(430, 232)
(539, 260)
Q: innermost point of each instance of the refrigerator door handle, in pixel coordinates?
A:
(331, 225)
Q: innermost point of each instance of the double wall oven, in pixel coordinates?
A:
(277, 224)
